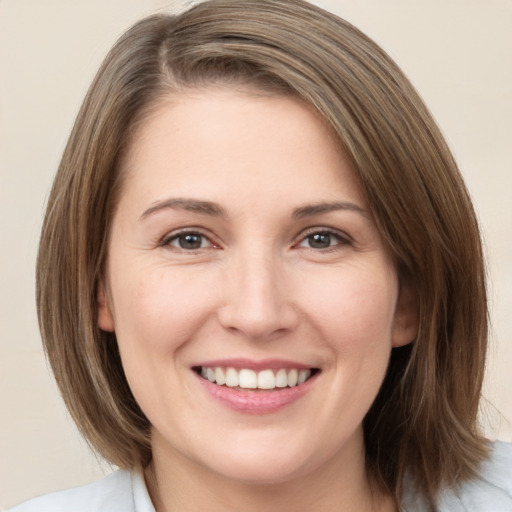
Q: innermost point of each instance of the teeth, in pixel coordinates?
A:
(266, 379)
(249, 379)
(303, 376)
(292, 377)
(281, 378)
(231, 378)
(220, 376)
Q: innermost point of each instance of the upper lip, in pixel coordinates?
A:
(251, 364)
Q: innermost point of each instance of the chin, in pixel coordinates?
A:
(262, 467)
(264, 473)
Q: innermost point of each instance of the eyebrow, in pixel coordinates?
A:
(320, 208)
(215, 210)
(191, 205)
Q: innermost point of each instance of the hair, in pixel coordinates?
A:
(428, 403)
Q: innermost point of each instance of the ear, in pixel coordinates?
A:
(105, 317)
(406, 321)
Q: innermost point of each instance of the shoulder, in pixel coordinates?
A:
(491, 490)
(497, 471)
(121, 491)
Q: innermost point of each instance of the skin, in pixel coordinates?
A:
(256, 287)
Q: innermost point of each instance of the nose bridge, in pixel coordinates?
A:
(258, 302)
(258, 280)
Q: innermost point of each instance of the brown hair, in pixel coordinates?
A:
(428, 403)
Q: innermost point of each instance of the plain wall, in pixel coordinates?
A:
(458, 53)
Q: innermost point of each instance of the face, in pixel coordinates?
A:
(253, 299)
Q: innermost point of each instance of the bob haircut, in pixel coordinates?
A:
(428, 403)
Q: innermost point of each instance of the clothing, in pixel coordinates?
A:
(490, 492)
(121, 491)
(125, 491)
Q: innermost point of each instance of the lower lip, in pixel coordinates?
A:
(256, 402)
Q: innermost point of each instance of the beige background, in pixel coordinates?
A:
(458, 53)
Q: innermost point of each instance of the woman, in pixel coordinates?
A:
(260, 279)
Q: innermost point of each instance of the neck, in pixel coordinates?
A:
(178, 484)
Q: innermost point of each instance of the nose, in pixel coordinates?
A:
(258, 301)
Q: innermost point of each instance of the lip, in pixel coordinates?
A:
(264, 364)
(255, 402)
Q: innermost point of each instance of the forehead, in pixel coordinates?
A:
(202, 142)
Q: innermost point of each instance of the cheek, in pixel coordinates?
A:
(158, 310)
(355, 308)
(156, 315)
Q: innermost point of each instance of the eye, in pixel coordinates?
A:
(188, 241)
(322, 240)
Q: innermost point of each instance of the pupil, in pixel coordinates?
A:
(320, 240)
(190, 241)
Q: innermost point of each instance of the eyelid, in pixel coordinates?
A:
(341, 235)
(189, 230)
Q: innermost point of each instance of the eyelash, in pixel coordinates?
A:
(341, 239)
(175, 236)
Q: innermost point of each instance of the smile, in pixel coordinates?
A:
(246, 378)
(255, 387)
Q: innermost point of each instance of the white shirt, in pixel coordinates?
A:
(125, 491)
(121, 491)
(491, 491)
